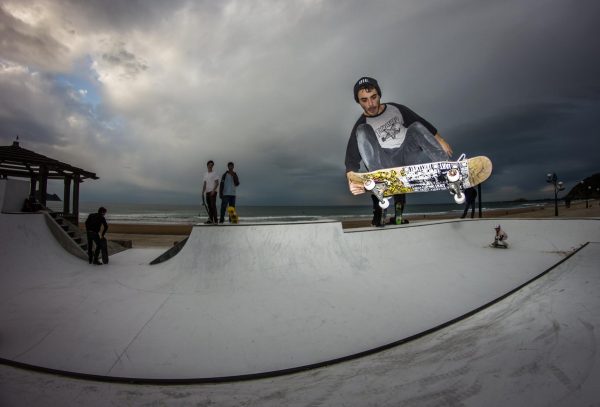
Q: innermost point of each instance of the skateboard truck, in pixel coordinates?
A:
(378, 190)
(454, 181)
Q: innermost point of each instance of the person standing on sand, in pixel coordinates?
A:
(210, 187)
(93, 224)
(389, 135)
(229, 181)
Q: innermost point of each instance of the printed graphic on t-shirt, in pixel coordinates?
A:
(391, 134)
(389, 127)
(389, 130)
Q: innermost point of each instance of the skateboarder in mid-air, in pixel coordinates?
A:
(93, 224)
(389, 135)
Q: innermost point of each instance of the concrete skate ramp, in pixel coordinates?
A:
(246, 300)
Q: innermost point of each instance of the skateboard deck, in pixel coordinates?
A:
(499, 246)
(454, 176)
(205, 207)
(233, 216)
(104, 250)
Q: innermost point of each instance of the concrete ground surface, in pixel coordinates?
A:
(295, 295)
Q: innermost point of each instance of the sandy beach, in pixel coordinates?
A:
(154, 235)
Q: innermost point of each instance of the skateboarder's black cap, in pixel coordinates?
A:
(365, 82)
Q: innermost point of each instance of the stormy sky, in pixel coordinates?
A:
(143, 93)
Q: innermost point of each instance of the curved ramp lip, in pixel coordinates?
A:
(273, 223)
(288, 371)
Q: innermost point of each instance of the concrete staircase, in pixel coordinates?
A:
(67, 234)
(70, 229)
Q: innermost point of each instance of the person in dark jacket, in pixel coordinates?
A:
(93, 224)
(229, 182)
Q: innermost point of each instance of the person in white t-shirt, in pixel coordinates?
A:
(210, 188)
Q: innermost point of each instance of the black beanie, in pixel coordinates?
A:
(364, 82)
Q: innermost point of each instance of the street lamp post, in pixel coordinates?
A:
(558, 186)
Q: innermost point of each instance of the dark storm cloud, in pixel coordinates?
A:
(268, 85)
(130, 64)
(23, 44)
(117, 15)
(49, 117)
(528, 141)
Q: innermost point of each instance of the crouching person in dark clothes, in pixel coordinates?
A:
(92, 227)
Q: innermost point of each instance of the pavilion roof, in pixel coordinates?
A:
(17, 161)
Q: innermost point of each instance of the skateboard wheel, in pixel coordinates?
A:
(459, 198)
(384, 204)
(453, 175)
(369, 185)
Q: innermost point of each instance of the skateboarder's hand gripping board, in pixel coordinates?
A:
(355, 187)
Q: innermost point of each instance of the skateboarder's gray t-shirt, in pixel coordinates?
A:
(389, 127)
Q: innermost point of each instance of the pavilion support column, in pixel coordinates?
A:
(43, 184)
(33, 185)
(76, 182)
(67, 195)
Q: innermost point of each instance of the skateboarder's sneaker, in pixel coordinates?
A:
(398, 221)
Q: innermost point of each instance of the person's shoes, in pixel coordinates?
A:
(90, 260)
(398, 221)
(208, 222)
(96, 262)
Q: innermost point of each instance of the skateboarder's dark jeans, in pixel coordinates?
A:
(227, 200)
(93, 237)
(418, 140)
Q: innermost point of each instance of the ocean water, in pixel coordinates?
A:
(192, 214)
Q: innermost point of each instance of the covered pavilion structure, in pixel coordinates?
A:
(18, 162)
